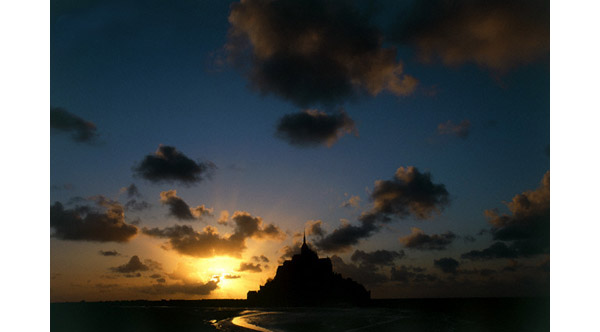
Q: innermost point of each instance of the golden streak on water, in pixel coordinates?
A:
(243, 322)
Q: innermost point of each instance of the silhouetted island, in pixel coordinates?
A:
(308, 280)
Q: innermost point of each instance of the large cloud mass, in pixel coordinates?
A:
(84, 223)
(209, 242)
(81, 131)
(313, 51)
(169, 165)
(410, 192)
(526, 228)
(314, 128)
(497, 34)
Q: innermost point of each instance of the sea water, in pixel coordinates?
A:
(530, 315)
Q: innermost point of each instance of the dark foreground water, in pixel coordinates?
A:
(384, 315)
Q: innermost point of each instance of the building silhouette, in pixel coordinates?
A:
(307, 280)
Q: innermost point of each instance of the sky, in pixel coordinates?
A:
(193, 142)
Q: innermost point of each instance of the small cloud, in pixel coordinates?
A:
(447, 264)
(223, 217)
(315, 227)
(261, 258)
(232, 276)
(134, 265)
(81, 131)
(460, 130)
(109, 253)
(249, 267)
(353, 201)
(313, 128)
(421, 241)
(169, 165)
(131, 191)
(411, 274)
(376, 258)
(180, 209)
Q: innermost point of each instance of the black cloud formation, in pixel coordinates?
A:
(131, 191)
(191, 288)
(497, 34)
(526, 229)
(249, 267)
(496, 250)
(180, 209)
(169, 165)
(364, 274)
(410, 192)
(109, 253)
(81, 131)
(134, 265)
(376, 258)
(447, 264)
(313, 52)
(312, 128)
(411, 274)
(84, 223)
(419, 240)
(207, 243)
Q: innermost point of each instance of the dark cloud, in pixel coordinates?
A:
(109, 253)
(155, 276)
(189, 288)
(496, 250)
(376, 258)
(232, 276)
(169, 165)
(85, 223)
(497, 34)
(180, 209)
(131, 191)
(526, 229)
(261, 258)
(134, 265)
(446, 264)
(249, 267)
(411, 274)
(421, 241)
(313, 128)
(362, 273)
(135, 205)
(460, 130)
(410, 192)
(209, 242)
(313, 52)
(81, 131)
(153, 265)
(345, 236)
(528, 225)
(132, 275)
(289, 251)
(469, 239)
(161, 280)
(315, 227)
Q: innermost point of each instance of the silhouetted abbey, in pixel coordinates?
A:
(308, 280)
